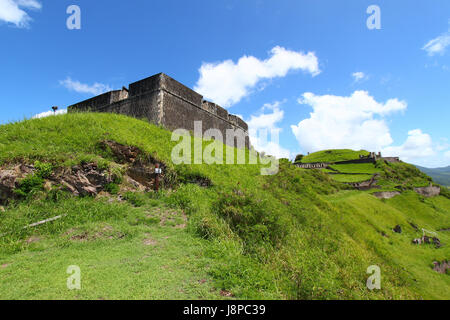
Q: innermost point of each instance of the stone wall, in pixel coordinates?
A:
(315, 165)
(163, 100)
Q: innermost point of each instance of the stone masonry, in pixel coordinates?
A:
(164, 101)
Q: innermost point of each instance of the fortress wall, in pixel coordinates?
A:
(93, 103)
(152, 83)
(146, 106)
(100, 101)
(163, 100)
(178, 113)
(391, 159)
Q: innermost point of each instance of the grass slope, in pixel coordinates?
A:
(333, 155)
(295, 235)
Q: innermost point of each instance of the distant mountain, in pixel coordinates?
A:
(439, 175)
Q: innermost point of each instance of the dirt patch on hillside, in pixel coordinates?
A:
(33, 239)
(386, 194)
(105, 232)
(441, 267)
(150, 242)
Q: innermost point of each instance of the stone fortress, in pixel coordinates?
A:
(164, 101)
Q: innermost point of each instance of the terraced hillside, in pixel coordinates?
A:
(212, 231)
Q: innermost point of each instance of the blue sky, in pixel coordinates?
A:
(311, 70)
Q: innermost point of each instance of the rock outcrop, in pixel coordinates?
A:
(441, 267)
(386, 194)
(430, 191)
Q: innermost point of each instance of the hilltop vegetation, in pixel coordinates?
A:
(334, 155)
(298, 234)
(389, 175)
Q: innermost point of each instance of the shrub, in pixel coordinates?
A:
(43, 169)
(29, 185)
(299, 158)
(112, 188)
(253, 219)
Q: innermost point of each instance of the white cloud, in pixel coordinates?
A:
(417, 146)
(359, 76)
(49, 113)
(354, 122)
(13, 11)
(438, 45)
(227, 82)
(95, 89)
(447, 154)
(264, 132)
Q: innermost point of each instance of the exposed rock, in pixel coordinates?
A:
(398, 229)
(144, 175)
(87, 178)
(8, 179)
(441, 267)
(121, 152)
(430, 191)
(134, 183)
(386, 194)
(84, 179)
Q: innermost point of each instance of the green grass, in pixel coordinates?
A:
(356, 168)
(351, 177)
(334, 155)
(133, 258)
(295, 235)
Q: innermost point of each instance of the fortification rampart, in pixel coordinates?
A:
(164, 101)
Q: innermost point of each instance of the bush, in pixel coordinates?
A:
(29, 185)
(43, 169)
(253, 219)
(299, 158)
(112, 188)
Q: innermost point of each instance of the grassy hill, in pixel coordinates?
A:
(295, 235)
(439, 175)
(333, 155)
